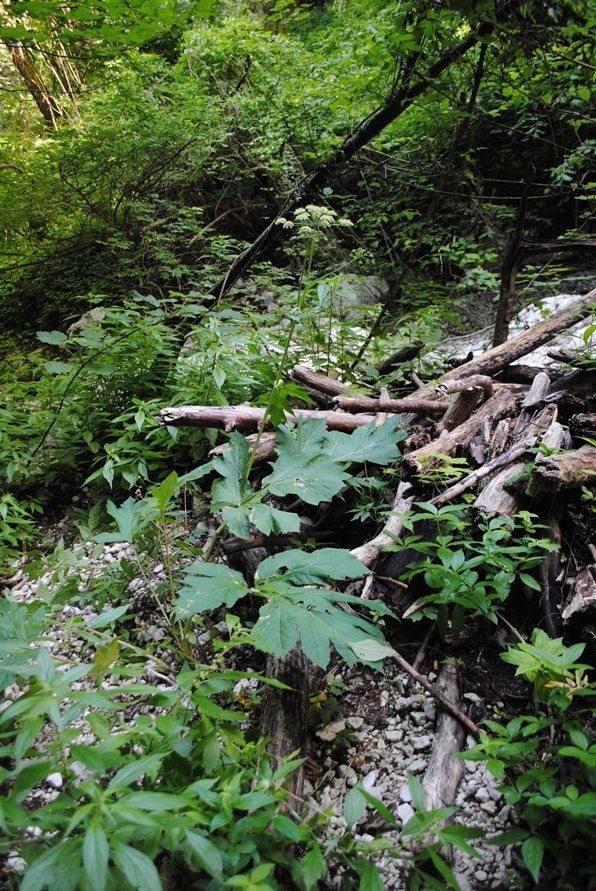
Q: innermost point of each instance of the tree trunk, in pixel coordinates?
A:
(23, 62)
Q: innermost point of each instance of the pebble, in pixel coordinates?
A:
(421, 743)
(54, 780)
(331, 731)
(405, 812)
(355, 722)
(489, 807)
(393, 735)
(418, 765)
(480, 875)
(419, 718)
(405, 794)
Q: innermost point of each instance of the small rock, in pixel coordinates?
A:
(489, 807)
(482, 794)
(418, 765)
(405, 794)
(421, 743)
(331, 731)
(405, 812)
(55, 781)
(430, 710)
(480, 875)
(419, 718)
(355, 722)
(393, 735)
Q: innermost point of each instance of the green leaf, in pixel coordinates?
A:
(236, 519)
(271, 521)
(301, 568)
(53, 337)
(532, 852)
(371, 650)
(206, 853)
(370, 878)
(42, 873)
(166, 491)
(302, 467)
(131, 518)
(310, 869)
(417, 793)
(286, 827)
(233, 467)
(108, 617)
(106, 655)
(58, 367)
(95, 857)
(138, 869)
(208, 586)
(354, 806)
(131, 772)
(377, 445)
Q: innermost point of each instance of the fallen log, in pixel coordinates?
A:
(413, 405)
(368, 553)
(569, 470)
(496, 359)
(444, 771)
(502, 404)
(404, 354)
(247, 417)
(481, 473)
(461, 408)
(314, 380)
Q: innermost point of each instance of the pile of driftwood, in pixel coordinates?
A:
(492, 412)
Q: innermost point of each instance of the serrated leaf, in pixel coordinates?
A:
(370, 878)
(232, 466)
(138, 869)
(301, 568)
(371, 650)
(131, 772)
(206, 853)
(236, 519)
(377, 445)
(131, 518)
(271, 521)
(95, 857)
(208, 586)
(302, 467)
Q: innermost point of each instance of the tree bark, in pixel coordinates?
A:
(23, 62)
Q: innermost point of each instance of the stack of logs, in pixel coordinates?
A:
(494, 413)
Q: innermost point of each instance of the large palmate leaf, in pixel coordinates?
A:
(302, 467)
(320, 623)
(300, 568)
(207, 586)
(377, 445)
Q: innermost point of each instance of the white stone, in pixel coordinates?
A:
(421, 743)
(405, 794)
(405, 812)
(418, 765)
(393, 735)
(355, 722)
(331, 731)
(55, 781)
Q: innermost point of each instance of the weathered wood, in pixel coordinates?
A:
(551, 593)
(444, 772)
(472, 380)
(481, 473)
(569, 470)
(284, 716)
(535, 395)
(404, 354)
(415, 406)
(461, 408)
(369, 553)
(502, 404)
(499, 357)
(247, 417)
(583, 597)
(320, 382)
(583, 424)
